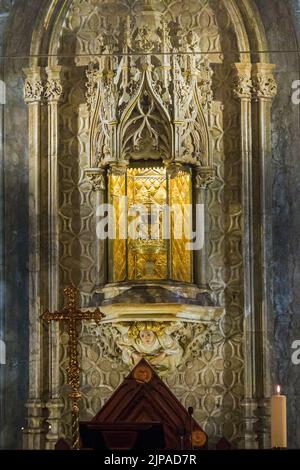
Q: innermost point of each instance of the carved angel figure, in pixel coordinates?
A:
(152, 341)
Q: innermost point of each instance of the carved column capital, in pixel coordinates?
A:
(118, 168)
(264, 84)
(53, 87)
(204, 177)
(97, 178)
(33, 86)
(174, 168)
(94, 75)
(242, 81)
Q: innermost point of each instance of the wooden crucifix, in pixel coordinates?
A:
(71, 314)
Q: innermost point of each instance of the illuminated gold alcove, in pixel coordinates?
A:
(155, 252)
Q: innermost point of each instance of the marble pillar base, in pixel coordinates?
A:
(35, 431)
(54, 408)
(250, 420)
(263, 424)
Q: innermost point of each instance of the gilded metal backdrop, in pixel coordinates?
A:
(181, 200)
(212, 382)
(147, 259)
(117, 246)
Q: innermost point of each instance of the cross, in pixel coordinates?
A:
(72, 315)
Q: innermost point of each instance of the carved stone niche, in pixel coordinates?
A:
(150, 141)
(153, 104)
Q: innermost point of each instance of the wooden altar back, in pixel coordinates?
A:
(143, 398)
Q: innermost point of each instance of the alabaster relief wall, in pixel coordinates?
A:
(212, 380)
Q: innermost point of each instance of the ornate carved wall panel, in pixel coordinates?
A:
(209, 379)
(77, 202)
(88, 22)
(225, 256)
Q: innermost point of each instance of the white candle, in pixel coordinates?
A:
(278, 420)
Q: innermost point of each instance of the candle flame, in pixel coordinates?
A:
(278, 389)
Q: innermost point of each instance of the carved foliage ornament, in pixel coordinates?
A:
(37, 89)
(53, 90)
(33, 90)
(204, 177)
(242, 86)
(264, 85)
(97, 180)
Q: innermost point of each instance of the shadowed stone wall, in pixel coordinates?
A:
(282, 36)
(14, 307)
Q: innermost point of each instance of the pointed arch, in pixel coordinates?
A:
(145, 118)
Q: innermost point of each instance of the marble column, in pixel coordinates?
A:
(34, 432)
(53, 92)
(97, 178)
(202, 179)
(243, 92)
(264, 90)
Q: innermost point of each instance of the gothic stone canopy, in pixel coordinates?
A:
(148, 101)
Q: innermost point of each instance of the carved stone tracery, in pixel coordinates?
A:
(160, 99)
